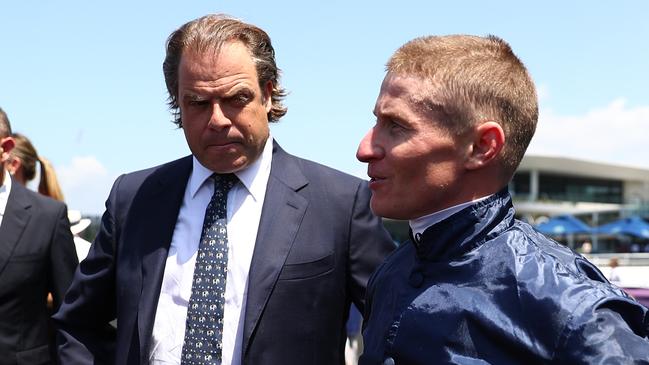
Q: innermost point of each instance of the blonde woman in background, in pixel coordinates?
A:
(22, 165)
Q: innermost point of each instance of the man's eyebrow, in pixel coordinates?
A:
(238, 89)
(389, 114)
(193, 97)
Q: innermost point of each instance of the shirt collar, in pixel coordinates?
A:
(419, 225)
(5, 189)
(252, 177)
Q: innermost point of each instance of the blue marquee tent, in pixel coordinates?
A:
(633, 226)
(564, 224)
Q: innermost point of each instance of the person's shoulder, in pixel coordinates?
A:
(40, 202)
(565, 269)
(167, 167)
(129, 185)
(318, 172)
(552, 281)
(563, 260)
(165, 170)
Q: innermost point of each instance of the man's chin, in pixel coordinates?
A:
(227, 166)
(383, 210)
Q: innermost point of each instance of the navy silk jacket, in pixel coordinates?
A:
(484, 288)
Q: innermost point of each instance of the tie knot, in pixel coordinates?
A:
(224, 182)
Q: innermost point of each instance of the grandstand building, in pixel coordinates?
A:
(595, 192)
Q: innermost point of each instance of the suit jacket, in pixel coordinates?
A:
(316, 246)
(37, 256)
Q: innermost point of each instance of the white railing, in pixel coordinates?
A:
(623, 259)
(633, 268)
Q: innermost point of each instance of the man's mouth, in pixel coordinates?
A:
(376, 179)
(224, 144)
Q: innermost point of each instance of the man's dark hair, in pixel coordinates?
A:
(209, 34)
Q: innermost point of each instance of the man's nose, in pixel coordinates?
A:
(218, 119)
(368, 149)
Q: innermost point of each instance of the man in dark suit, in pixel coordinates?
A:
(37, 257)
(295, 245)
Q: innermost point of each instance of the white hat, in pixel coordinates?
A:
(77, 224)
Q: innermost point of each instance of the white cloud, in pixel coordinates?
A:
(615, 133)
(86, 184)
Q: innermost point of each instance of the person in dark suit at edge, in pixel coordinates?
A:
(37, 257)
(294, 241)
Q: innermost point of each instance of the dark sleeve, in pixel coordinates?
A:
(84, 333)
(613, 333)
(63, 257)
(369, 244)
(369, 295)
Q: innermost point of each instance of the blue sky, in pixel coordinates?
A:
(84, 81)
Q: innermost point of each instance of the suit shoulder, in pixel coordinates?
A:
(127, 186)
(318, 172)
(131, 181)
(40, 201)
(298, 172)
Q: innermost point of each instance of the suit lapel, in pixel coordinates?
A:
(14, 221)
(152, 220)
(280, 220)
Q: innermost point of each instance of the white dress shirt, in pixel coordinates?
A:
(244, 206)
(419, 225)
(5, 189)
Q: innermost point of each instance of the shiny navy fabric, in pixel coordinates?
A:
(483, 288)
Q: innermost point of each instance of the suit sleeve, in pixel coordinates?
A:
(63, 258)
(84, 333)
(369, 244)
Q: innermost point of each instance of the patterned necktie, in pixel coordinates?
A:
(204, 326)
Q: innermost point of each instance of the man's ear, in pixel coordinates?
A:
(6, 145)
(488, 141)
(267, 97)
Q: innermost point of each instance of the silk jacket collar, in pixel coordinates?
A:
(466, 229)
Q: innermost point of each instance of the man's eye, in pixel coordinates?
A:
(241, 99)
(197, 102)
(393, 125)
(397, 129)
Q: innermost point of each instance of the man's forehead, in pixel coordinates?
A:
(407, 90)
(215, 53)
(231, 66)
(214, 49)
